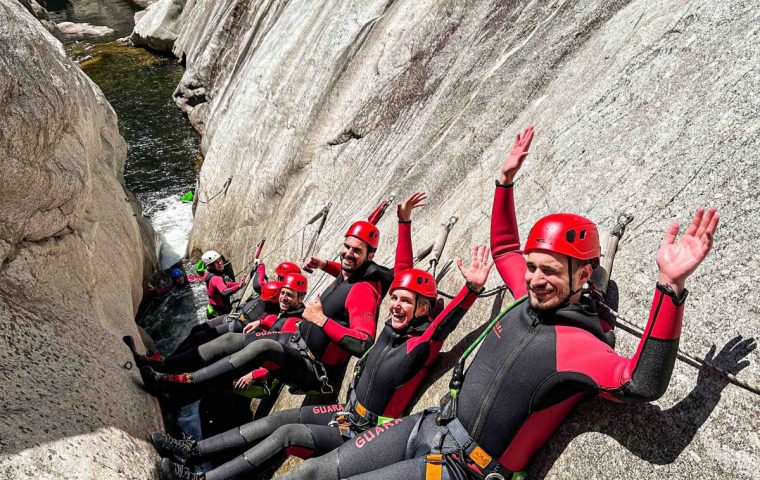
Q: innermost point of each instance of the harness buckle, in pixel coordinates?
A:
(494, 476)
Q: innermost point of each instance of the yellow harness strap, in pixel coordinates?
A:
(434, 466)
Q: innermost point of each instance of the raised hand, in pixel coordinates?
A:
(404, 210)
(480, 266)
(514, 160)
(678, 259)
(313, 262)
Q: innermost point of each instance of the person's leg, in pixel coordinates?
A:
(376, 448)
(413, 469)
(219, 373)
(235, 438)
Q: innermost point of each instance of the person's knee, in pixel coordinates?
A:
(260, 350)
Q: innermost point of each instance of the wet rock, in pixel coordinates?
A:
(42, 15)
(156, 29)
(83, 30)
(73, 252)
(639, 106)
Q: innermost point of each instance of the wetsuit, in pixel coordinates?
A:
(253, 309)
(530, 371)
(319, 358)
(219, 288)
(229, 343)
(385, 381)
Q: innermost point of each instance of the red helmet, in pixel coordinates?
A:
(566, 234)
(366, 232)
(285, 268)
(417, 281)
(296, 282)
(270, 291)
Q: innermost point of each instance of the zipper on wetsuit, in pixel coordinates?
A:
(503, 369)
(374, 370)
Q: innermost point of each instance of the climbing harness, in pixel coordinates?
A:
(466, 450)
(318, 367)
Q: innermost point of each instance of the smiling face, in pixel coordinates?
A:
(353, 254)
(402, 308)
(548, 280)
(289, 299)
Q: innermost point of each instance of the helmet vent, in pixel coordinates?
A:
(570, 235)
(582, 235)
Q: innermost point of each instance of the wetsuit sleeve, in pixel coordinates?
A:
(361, 303)
(163, 290)
(267, 322)
(259, 278)
(332, 268)
(404, 252)
(645, 376)
(195, 278)
(225, 289)
(505, 241)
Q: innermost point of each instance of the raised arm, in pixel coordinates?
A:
(259, 278)
(404, 251)
(646, 375)
(505, 238)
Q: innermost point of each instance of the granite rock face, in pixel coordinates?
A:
(73, 254)
(155, 27)
(650, 108)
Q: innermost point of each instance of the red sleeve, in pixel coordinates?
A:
(404, 253)
(505, 242)
(445, 323)
(224, 288)
(267, 322)
(332, 268)
(642, 378)
(259, 278)
(163, 290)
(195, 278)
(361, 303)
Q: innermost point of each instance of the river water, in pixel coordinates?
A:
(163, 147)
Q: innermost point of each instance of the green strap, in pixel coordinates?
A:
(490, 327)
(459, 368)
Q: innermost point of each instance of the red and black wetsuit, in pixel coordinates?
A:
(529, 373)
(219, 289)
(253, 309)
(387, 378)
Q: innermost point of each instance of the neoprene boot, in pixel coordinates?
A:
(173, 471)
(140, 360)
(161, 383)
(184, 448)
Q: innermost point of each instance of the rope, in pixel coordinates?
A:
(223, 189)
(484, 294)
(635, 330)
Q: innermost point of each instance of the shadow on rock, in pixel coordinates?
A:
(655, 435)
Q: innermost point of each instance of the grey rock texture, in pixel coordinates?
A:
(43, 16)
(647, 107)
(156, 28)
(72, 260)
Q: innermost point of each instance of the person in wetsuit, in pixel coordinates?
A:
(385, 380)
(219, 287)
(263, 302)
(539, 359)
(290, 309)
(338, 324)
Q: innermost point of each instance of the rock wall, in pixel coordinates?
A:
(645, 107)
(73, 252)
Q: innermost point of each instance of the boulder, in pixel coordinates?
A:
(83, 30)
(74, 250)
(156, 28)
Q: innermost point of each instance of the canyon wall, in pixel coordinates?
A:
(642, 107)
(74, 250)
